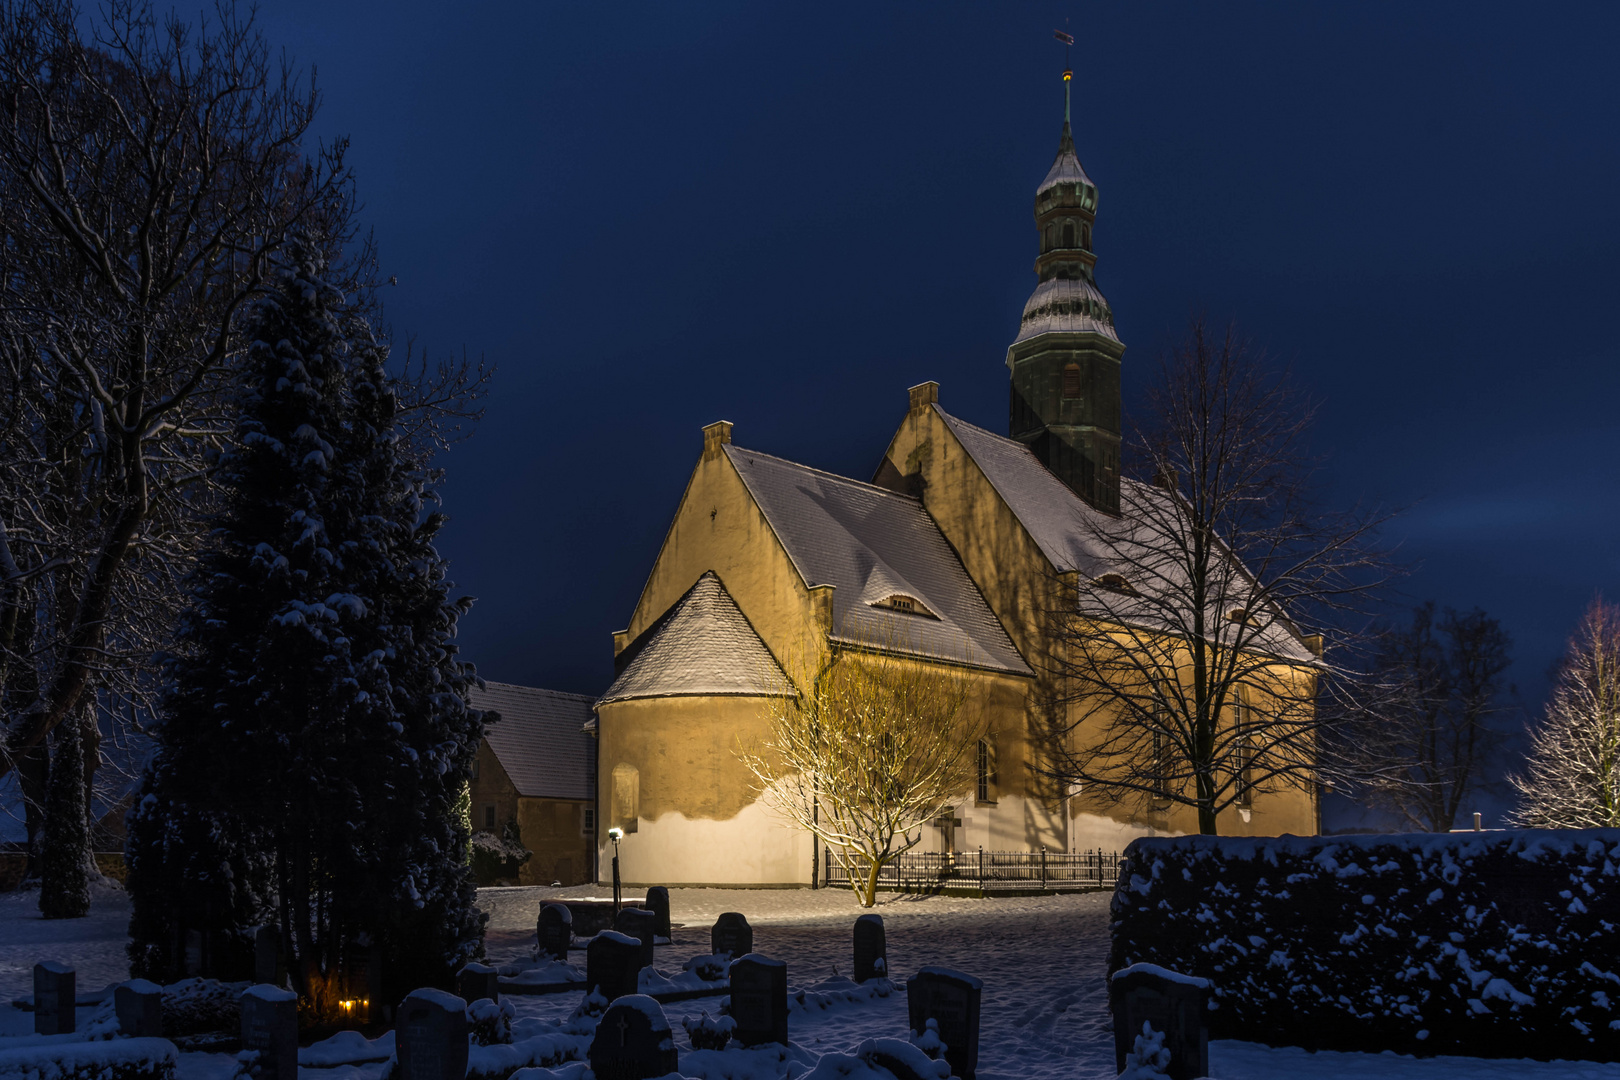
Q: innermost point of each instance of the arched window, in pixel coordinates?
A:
(985, 760)
(626, 805)
(1085, 237)
(1245, 757)
(1071, 381)
(1068, 234)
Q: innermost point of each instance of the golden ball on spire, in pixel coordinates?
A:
(1067, 75)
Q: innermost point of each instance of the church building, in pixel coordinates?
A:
(945, 556)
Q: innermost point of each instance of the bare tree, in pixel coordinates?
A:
(1187, 660)
(1428, 740)
(1572, 777)
(147, 173)
(870, 751)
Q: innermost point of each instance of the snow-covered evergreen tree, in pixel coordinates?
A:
(1572, 776)
(317, 737)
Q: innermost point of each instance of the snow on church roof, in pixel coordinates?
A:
(1066, 305)
(538, 740)
(703, 645)
(872, 544)
(1076, 537)
(1065, 170)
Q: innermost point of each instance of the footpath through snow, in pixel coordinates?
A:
(1042, 959)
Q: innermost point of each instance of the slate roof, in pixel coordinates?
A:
(1066, 305)
(1075, 537)
(704, 645)
(538, 740)
(871, 543)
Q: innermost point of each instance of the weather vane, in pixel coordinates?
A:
(1068, 40)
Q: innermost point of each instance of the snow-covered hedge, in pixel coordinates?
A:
(1492, 944)
(116, 1059)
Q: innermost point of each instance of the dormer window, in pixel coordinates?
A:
(1116, 583)
(1238, 615)
(908, 604)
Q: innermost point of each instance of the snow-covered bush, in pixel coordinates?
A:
(1149, 1058)
(490, 1023)
(1490, 944)
(115, 1059)
(709, 1032)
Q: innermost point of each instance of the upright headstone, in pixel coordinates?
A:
(268, 966)
(1173, 1004)
(642, 925)
(759, 1000)
(658, 904)
(478, 981)
(55, 996)
(613, 964)
(951, 1000)
(633, 1041)
(871, 949)
(138, 1005)
(731, 934)
(430, 1037)
(270, 1026)
(555, 930)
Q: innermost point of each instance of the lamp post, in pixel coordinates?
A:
(615, 835)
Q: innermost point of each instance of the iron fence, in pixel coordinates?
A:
(926, 871)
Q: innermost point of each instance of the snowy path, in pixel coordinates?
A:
(1042, 959)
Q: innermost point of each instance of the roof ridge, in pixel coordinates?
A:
(733, 448)
(540, 690)
(980, 430)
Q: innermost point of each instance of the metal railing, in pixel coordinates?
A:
(927, 871)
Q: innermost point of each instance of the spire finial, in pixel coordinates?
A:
(1068, 73)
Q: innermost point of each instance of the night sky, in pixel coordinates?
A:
(651, 217)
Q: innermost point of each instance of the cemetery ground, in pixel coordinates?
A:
(1042, 960)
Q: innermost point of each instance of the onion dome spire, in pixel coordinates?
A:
(1065, 360)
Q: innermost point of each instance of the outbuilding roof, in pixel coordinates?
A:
(876, 546)
(704, 645)
(538, 739)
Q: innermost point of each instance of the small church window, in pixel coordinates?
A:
(1068, 234)
(588, 824)
(626, 796)
(1071, 381)
(1116, 583)
(908, 604)
(985, 760)
(1085, 237)
(1245, 757)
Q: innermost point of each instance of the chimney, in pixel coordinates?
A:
(715, 436)
(924, 395)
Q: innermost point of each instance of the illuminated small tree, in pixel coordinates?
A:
(875, 747)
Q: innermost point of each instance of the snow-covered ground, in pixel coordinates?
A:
(1042, 959)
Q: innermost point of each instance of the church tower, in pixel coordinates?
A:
(1065, 362)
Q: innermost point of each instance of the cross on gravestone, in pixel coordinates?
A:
(731, 934)
(55, 998)
(640, 924)
(871, 948)
(613, 964)
(477, 981)
(1173, 1004)
(430, 1037)
(268, 965)
(270, 1026)
(759, 1000)
(658, 904)
(138, 1005)
(633, 1041)
(555, 930)
(951, 1000)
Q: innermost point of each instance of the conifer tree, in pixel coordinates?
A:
(317, 736)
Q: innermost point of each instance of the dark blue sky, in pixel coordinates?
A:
(655, 216)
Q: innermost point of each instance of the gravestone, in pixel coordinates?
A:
(759, 1000)
(270, 1026)
(633, 1041)
(871, 949)
(1173, 1003)
(658, 904)
(430, 1037)
(139, 1007)
(268, 966)
(731, 934)
(55, 994)
(555, 930)
(477, 981)
(640, 924)
(951, 1000)
(613, 964)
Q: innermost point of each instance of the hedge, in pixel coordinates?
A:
(1498, 944)
(114, 1059)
